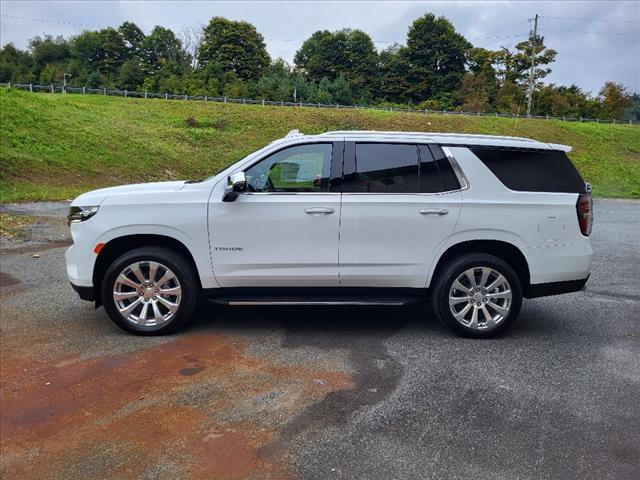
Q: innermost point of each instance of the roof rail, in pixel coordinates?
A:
(445, 135)
(294, 133)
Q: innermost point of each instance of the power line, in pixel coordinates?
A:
(44, 20)
(594, 33)
(504, 36)
(508, 26)
(592, 19)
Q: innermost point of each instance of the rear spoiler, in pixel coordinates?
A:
(557, 146)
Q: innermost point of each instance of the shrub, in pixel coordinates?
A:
(220, 123)
(190, 122)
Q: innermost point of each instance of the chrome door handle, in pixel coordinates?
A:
(433, 211)
(319, 211)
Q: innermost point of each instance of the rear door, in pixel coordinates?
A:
(399, 202)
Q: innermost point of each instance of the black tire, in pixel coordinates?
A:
(456, 267)
(178, 265)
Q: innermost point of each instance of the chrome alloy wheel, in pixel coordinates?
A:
(147, 293)
(480, 298)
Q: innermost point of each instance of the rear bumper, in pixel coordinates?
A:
(560, 263)
(555, 288)
(85, 293)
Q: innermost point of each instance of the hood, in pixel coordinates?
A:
(96, 197)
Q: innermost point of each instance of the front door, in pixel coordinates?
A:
(284, 230)
(399, 202)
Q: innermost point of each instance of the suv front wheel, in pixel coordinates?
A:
(149, 291)
(477, 295)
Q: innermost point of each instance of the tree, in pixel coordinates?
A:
(113, 50)
(277, 84)
(234, 47)
(560, 101)
(632, 112)
(479, 86)
(132, 36)
(510, 98)
(48, 49)
(615, 99)
(87, 47)
(394, 74)
(191, 39)
(347, 52)
(436, 54)
(324, 93)
(104, 50)
(131, 75)
(473, 94)
(340, 91)
(514, 67)
(234, 87)
(161, 50)
(94, 80)
(15, 65)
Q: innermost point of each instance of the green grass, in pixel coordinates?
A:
(57, 146)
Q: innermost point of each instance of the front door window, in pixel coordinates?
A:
(303, 168)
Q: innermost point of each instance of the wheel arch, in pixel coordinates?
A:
(119, 245)
(498, 248)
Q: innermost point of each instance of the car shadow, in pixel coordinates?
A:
(317, 320)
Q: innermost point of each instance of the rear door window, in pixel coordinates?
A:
(436, 174)
(532, 170)
(384, 168)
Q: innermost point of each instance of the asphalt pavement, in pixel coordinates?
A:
(320, 393)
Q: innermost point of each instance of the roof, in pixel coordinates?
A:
(442, 138)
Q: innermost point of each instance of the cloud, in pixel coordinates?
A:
(609, 51)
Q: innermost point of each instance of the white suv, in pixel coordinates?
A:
(472, 223)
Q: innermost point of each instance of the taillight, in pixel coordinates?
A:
(584, 208)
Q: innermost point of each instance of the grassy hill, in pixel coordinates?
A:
(56, 146)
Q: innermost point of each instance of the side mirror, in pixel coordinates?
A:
(236, 184)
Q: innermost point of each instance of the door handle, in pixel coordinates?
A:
(433, 211)
(319, 211)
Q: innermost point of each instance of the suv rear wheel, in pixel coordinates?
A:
(149, 291)
(477, 295)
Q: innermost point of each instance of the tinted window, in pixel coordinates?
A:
(303, 168)
(436, 174)
(532, 170)
(448, 176)
(384, 168)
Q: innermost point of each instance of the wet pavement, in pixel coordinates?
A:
(319, 392)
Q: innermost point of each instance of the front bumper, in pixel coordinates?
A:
(85, 293)
(80, 257)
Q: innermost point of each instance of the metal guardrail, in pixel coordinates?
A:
(246, 101)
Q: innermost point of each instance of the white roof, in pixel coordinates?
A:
(446, 138)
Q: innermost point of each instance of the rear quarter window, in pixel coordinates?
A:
(532, 170)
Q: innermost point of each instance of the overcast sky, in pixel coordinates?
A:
(596, 41)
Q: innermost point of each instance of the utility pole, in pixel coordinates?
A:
(64, 82)
(532, 38)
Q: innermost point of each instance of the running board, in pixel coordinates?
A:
(341, 301)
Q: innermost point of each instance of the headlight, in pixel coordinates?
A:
(80, 214)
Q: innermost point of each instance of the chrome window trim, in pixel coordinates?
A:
(462, 178)
(293, 142)
(422, 194)
(291, 193)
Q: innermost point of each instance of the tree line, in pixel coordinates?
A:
(437, 68)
